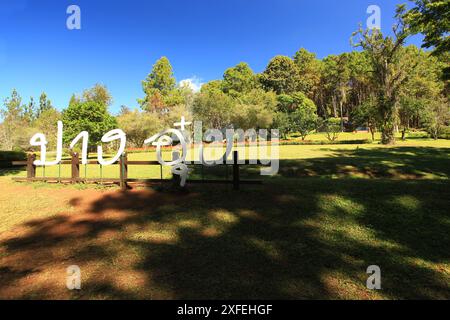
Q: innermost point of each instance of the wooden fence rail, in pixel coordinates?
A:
(123, 180)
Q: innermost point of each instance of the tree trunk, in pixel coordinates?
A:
(388, 134)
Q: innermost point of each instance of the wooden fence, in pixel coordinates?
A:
(123, 180)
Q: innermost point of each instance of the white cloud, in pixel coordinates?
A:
(194, 83)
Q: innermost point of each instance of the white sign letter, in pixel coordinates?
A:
(112, 135)
(84, 146)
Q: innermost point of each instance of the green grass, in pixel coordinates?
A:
(353, 156)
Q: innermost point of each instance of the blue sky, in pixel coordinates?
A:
(120, 40)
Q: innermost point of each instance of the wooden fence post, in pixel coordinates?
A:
(235, 171)
(75, 167)
(31, 168)
(123, 165)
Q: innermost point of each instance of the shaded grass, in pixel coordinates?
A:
(308, 233)
(287, 241)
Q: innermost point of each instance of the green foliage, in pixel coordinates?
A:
(332, 128)
(214, 85)
(214, 109)
(390, 71)
(44, 104)
(98, 93)
(310, 69)
(255, 110)
(14, 124)
(304, 119)
(366, 115)
(159, 88)
(139, 126)
(12, 155)
(431, 18)
(282, 75)
(29, 112)
(282, 122)
(47, 124)
(285, 103)
(239, 79)
(436, 117)
(87, 116)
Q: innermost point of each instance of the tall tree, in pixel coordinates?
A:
(29, 112)
(304, 119)
(159, 87)
(431, 18)
(13, 121)
(310, 68)
(139, 126)
(46, 123)
(214, 108)
(44, 103)
(254, 110)
(98, 93)
(89, 116)
(282, 75)
(238, 79)
(390, 71)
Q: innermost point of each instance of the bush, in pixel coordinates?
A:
(332, 128)
(445, 134)
(6, 158)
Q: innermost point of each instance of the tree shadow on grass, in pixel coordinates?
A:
(399, 162)
(289, 240)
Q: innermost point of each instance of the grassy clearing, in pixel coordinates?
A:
(365, 154)
(308, 233)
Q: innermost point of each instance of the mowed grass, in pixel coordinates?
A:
(304, 155)
(308, 233)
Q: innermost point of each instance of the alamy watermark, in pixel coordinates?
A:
(73, 21)
(374, 20)
(73, 280)
(374, 280)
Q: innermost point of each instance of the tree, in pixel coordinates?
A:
(98, 93)
(46, 123)
(282, 122)
(254, 110)
(282, 75)
(13, 122)
(304, 118)
(390, 70)
(337, 73)
(139, 126)
(366, 115)
(436, 116)
(159, 87)
(214, 108)
(422, 87)
(74, 100)
(431, 18)
(89, 116)
(238, 79)
(309, 68)
(44, 104)
(214, 85)
(29, 112)
(332, 127)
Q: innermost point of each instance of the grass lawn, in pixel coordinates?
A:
(308, 233)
